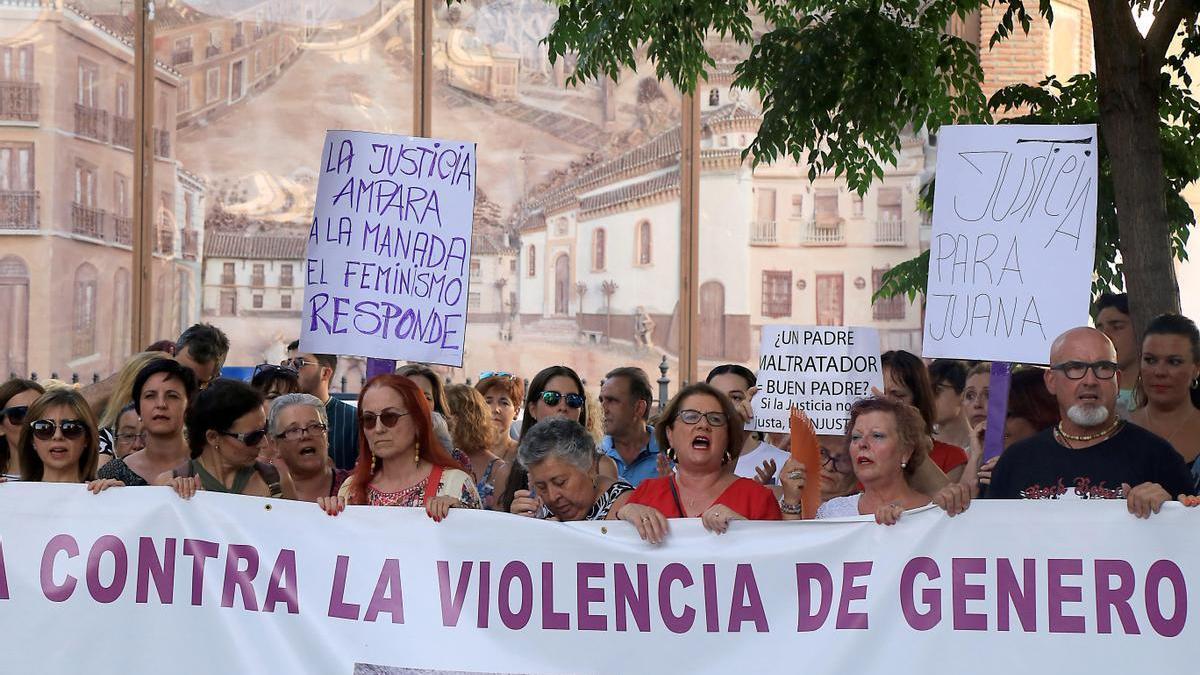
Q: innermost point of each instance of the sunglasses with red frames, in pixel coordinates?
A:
(71, 429)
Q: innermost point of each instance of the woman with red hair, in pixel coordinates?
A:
(400, 462)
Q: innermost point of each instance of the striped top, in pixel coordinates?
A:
(343, 433)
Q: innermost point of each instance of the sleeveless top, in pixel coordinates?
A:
(487, 491)
(268, 473)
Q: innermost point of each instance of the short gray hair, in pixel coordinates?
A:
(288, 400)
(558, 437)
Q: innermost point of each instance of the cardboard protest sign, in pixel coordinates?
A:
(819, 369)
(1013, 241)
(390, 247)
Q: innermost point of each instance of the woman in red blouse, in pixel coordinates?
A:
(702, 432)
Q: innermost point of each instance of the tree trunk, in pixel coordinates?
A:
(1128, 92)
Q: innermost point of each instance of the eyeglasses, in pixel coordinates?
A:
(71, 429)
(249, 439)
(128, 439)
(1077, 370)
(551, 398)
(15, 414)
(308, 430)
(494, 373)
(389, 419)
(716, 419)
(840, 463)
(272, 368)
(297, 363)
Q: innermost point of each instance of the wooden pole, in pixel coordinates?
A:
(422, 124)
(143, 178)
(423, 68)
(689, 238)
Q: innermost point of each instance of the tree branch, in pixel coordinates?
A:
(1162, 31)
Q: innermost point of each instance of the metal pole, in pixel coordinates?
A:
(143, 176)
(689, 236)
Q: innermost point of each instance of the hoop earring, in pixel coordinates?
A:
(1196, 383)
(671, 454)
(727, 458)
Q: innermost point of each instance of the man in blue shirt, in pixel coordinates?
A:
(625, 398)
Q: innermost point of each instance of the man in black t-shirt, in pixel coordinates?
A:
(1092, 453)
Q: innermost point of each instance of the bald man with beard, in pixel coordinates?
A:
(1091, 453)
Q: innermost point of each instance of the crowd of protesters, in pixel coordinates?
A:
(1111, 418)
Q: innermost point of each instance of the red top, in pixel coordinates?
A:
(947, 456)
(747, 498)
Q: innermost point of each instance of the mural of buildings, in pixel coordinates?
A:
(220, 59)
(66, 196)
(601, 248)
(253, 289)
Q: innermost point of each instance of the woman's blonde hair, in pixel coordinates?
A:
(123, 391)
(471, 428)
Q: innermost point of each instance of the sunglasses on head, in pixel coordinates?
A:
(249, 438)
(71, 429)
(272, 368)
(551, 398)
(494, 373)
(388, 418)
(15, 414)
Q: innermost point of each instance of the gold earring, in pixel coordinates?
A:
(417, 453)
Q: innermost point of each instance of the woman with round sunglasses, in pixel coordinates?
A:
(400, 461)
(702, 433)
(226, 428)
(16, 396)
(556, 391)
(59, 443)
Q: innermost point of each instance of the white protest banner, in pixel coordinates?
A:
(390, 247)
(1013, 241)
(820, 369)
(135, 580)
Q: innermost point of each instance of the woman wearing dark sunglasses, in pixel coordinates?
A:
(703, 433)
(16, 395)
(226, 429)
(556, 391)
(400, 461)
(59, 443)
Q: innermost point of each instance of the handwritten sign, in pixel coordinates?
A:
(819, 369)
(1013, 242)
(390, 247)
